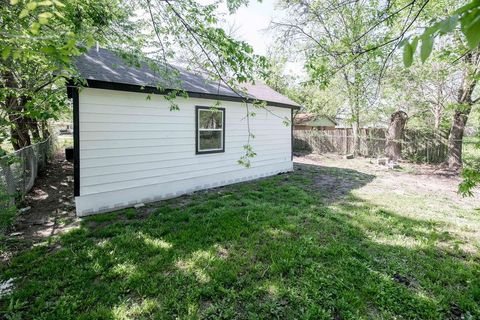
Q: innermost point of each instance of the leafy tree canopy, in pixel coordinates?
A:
(39, 40)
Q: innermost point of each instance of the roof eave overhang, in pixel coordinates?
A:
(99, 84)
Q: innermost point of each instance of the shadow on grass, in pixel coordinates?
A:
(273, 248)
(332, 183)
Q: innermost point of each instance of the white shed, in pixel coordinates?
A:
(130, 148)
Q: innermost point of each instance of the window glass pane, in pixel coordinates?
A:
(210, 140)
(210, 119)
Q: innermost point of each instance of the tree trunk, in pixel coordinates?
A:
(45, 129)
(455, 139)
(461, 113)
(437, 117)
(356, 137)
(395, 134)
(34, 130)
(14, 108)
(18, 127)
(354, 103)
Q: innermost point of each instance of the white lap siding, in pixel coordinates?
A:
(134, 149)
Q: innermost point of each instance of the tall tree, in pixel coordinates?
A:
(331, 33)
(39, 40)
(463, 107)
(462, 26)
(425, 91)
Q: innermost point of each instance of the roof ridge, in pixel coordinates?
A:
(105, 65)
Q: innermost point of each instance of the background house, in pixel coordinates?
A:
(131, 148)
(309, 121)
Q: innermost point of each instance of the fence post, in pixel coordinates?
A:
(9, 180)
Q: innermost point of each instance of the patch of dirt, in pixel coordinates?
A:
(416, 192)
(409, 179)
(407, 281)
(333, 183)
(52, 208)
(456, 312)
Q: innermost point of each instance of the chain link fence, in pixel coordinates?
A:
(416, 146)
(19, 170)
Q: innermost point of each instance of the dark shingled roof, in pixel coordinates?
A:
(302, 118)
(105, 66)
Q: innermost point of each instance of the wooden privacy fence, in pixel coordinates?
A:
(416, 146)
(372, 141)
(425, 147)
(19, 170)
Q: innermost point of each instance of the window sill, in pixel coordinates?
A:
(209, 152)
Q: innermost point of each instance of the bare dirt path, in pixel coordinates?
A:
(408, 179)
(52, 209)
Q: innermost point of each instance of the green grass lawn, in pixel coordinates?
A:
(283, 247)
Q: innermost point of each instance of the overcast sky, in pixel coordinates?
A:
(250, 24)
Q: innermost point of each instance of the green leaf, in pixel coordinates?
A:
(13, 2)
(407, 54)
(65, 58)
(426, 49)
(414, 44)
(472, 33)
(58, 14)
(31, 5)
(431, 30)
(90, 41)
(47, 15)
(44, 16)
(24, 13)
(58, 3)
(35, 27)
(6, 52)
(449, 24)
(48, 50)
(468, 6)
(43, 20)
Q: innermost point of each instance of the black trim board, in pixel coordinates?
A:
(72, 93)
(196, 130)
(291, 135)
(97, 84)
(294, 114)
